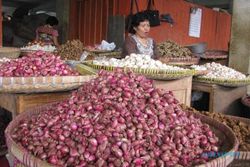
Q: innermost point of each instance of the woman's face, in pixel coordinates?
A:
(142, 29)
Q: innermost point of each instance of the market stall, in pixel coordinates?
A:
(85, 103)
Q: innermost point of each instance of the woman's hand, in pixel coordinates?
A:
(55, 40)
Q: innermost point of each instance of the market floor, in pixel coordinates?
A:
(4, 162)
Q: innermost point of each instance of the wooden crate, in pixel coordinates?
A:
(17, 103)
(222, 99)
(180, 87)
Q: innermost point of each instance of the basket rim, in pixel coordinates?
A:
(42, 84)
(9, 49)
(192, 58)
(140, 70)
(224, 82)
(180, 61)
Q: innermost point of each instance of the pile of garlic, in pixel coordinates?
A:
(137, 61)
(46, 48)
(219, 71)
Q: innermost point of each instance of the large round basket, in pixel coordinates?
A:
(41, 84)
(149, 73)
(9, 52)
(21, 156)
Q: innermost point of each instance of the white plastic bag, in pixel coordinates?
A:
(107, 46)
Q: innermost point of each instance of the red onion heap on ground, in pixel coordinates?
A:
(36, 64)
(117, 120)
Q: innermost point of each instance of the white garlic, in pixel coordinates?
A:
(219, 71)
(137, 61)
(47, 48)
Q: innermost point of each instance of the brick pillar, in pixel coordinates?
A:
(240, 37)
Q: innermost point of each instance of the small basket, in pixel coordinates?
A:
(9, 52)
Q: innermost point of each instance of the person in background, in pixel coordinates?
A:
(48, 33)
(138, 41)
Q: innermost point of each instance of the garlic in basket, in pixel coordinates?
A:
(219, 71)
(137, 61)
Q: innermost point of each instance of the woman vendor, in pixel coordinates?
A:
(48, 33)
(138, 41)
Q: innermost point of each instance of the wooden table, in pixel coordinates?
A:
(17, 103)
(222, 99)
(181, 88)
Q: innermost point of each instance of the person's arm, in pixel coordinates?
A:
(55, 38)
(156, 52)
(129, 47)
(37, 35)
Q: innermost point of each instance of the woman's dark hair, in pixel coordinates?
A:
(136, 20)
(51, 20)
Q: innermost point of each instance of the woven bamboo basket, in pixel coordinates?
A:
(243, 155)
(23, 159)
(41, 84)
(182, 61)
(150, 73)
(242, 158)
(9, 52)
(224, 82)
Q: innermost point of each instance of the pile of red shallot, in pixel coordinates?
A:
(117, 120)
(36, 64)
